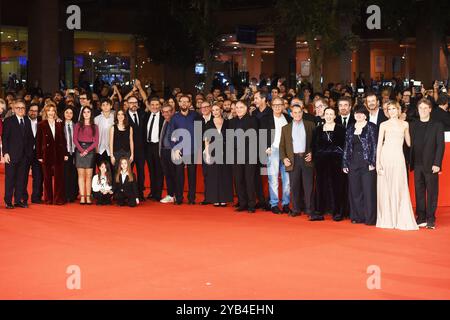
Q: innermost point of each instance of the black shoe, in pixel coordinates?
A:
(259, 205)
(178, 203)
(237, 205)
(191, 203)
(338, 219)
(316, 218)
(21, 205)
(276, 210)
(38, 201)
(431, 225)
(241, 209)
(150, 196)
(9, 206)
(286, 209)
(141, 199)
(205, 203)
(294, 214)
(251, 210)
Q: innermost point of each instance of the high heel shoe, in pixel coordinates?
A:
(88, 200)
(82, 200)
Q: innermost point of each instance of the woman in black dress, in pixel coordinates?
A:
(219, 180)
(121, 139)
(328, 149)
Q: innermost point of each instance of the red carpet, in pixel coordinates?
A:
(194, 252)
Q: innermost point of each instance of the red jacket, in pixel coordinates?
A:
(52, 151)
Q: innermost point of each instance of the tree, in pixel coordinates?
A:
(401, 18)
(181, 33)
(317, 21)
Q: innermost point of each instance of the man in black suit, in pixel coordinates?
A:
(376, 115)
(262, 112)
(345, 117)
(36, 168)
(153, 123)
(245, 167)
(427, 152)
(137, 122)
(205, 109)
(17, 143)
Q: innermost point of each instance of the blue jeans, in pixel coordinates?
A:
(274, 167)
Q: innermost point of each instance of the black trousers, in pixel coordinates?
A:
(15, 177)
(301, 180)
(258, 186)
(155, 169)
(168, 168)
(124, 198)
(363, 194)
(102, 199)
(427, 190)
(70, 179)
(37, 177)
(245, 175)
(139, 162)
(192, 181)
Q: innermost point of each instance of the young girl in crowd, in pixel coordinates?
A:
(102, 185)
(125, 188)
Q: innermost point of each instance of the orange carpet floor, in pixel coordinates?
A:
(160, 251)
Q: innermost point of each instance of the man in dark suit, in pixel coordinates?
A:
(153, 123)
(345, 118)
(427, 152)
(205, 109)
(245, 167)
(137, 122)
(36, 168)
(261, 113)
(165, 153)
(440, 112)
(296, 153)
(376, 115)
(17, 143)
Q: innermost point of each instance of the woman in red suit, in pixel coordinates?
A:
(51, 149)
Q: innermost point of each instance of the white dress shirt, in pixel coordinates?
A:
(34, 126)
(154, 135)
(104, 125)
(52, 128)
(280, 122)
(374, 118)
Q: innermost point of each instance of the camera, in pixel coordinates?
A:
(417, 85)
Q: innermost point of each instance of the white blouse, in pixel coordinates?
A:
(100, 186)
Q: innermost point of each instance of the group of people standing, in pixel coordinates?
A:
(344, 161)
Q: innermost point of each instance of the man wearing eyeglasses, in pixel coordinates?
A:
(17, 143)
(275, 165)
(137, 122)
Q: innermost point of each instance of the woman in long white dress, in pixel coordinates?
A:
(394, 208)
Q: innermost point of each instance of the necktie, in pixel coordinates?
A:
(69, 129)
(149, 138)
(22, 126)
(345, 123)
(135, 119)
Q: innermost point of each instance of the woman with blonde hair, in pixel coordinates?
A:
(51, 152)
(394, 209)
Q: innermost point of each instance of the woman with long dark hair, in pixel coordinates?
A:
(102, 184)
(86, 136)
(121, 139)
